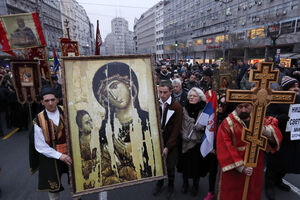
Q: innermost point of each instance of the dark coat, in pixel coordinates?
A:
(285, 158)
(187, 85)
(4, 92)
(166, 76)
(172, 128)
(241, 70)
(183, 98)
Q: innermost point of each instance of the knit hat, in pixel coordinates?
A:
(48, 90)
(287, 82)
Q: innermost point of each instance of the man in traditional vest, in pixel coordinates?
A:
(48, 148)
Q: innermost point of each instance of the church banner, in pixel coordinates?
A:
(69, 47)
(21, 31)
(112, 122)
(27, 80)
(40, 54)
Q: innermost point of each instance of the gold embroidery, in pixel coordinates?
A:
(229, 121)
(53, 185)
(232, 166)
(238, 119)
(44, 126)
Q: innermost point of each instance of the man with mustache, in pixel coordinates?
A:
(283, 161)
(231, 153)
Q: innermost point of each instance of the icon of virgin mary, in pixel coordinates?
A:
(125, 137)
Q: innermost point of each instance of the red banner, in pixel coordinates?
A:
(69, 47)
(98, 40)
(40, 54)
(27, 80)
(21, 31)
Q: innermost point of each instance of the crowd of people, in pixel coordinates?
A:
(189, 86)
(183, 92)
(16, 114)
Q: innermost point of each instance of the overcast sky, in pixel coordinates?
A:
(106, 10)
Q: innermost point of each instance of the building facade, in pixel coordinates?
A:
(232, 29)
(51, 22)
(84, 33)
(159, 30)
(68, 18)
(144, 29)
(80, 28)
(120, 40)
(207, 30)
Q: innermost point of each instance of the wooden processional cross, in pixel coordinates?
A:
(260, 97)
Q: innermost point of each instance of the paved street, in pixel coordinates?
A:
(16, 182)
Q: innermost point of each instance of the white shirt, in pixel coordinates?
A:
(162, 105)
(39, 140)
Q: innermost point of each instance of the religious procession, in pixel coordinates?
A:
(84, 124)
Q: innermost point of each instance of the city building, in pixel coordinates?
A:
(120, 40)
(144, 29)
(84, 31)
(149, 31)
(231, 29)
(81, 29)
(208, 30)
(51, 22)
(159, 30)
(68, 18)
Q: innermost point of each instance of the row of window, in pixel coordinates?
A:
(160, 47)
(202, 18)
(286, 27)
(254, 33)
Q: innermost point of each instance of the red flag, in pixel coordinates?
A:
(98, 40)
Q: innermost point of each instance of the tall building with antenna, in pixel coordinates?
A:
(120, 40)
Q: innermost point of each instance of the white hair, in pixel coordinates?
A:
(198, 91)
(176, 81)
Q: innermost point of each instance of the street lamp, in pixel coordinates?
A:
(176, 43)
(273, 31)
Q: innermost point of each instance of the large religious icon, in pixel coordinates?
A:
(111, 102)
(21, 31)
